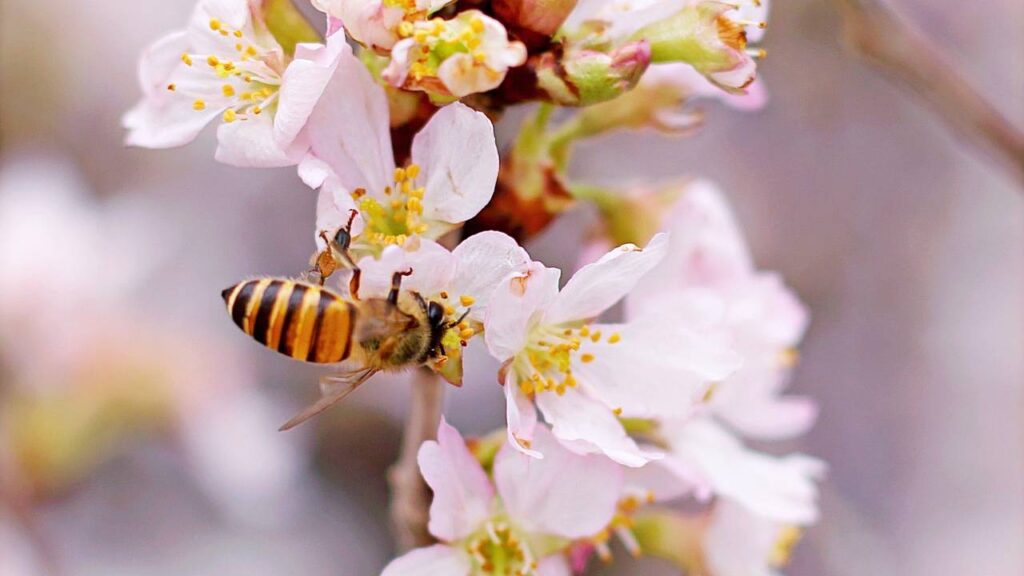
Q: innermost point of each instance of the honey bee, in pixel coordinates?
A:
(312, 323)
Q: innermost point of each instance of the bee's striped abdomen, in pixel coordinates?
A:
(300, 320)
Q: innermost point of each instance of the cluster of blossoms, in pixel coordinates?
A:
(631, 386)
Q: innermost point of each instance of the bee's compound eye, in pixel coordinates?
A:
(343, 237)
(435, 314)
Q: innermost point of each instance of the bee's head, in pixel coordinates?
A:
(435, 315)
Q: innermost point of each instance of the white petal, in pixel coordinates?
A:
(431, 264)
(166, 123)
(251, 143)
(436, 560)
(598, 286)
(740, 543)
(462, 491)
(159, 60)
(565, 494)
(514, 306)
(459, 159)
(349, 130)
(482, 261)
(334, 205)
(303, 84)
(520, 416)
(652, 371)
(589, 426)
(776, 418)
(782, 489)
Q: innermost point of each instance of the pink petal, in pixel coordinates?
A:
(556, 565)
(459, 159)
(598, 286)
(514, 306)
(565, 494)
(333, 206)
(771, 419)
(462, 491)
(303, 84)
(349, 128)
(436, 560)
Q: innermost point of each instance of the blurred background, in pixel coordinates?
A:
(137, 430)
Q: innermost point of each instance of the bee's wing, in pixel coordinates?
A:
(333, 389)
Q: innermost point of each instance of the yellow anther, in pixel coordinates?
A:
(477, 25)
(412, 171)
(238, 33)
(596, 336)
(256, 110)
(251, 51)
(585, 331)
(228, 90)
(405, 29)
(172, 87)
(479, 57)
(230, 115)
(399, 175)
(449, 310)
(199, 104)
(239, 47)
(215, 24)
(467, 300)
(467, 333)
(614, 338)
(444, 295)
(586, 358)
(526, 387)
(618, 411)
(186, 59)
(463, 325)
(212, 61)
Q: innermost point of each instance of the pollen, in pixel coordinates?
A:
(172, 87)
(614, 338)
(228, 90)
(186, 59)
(466, 300)
(215, 24)
(198, 105)
(784, 545)
(466, 333)
(586, 358)
(213, 61)
(230, 115)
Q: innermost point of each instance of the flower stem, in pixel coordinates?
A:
(410, 497)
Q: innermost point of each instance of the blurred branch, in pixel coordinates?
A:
(410, 497)
(891, 44)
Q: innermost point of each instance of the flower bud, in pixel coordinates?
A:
(585, 77)
(534, 20)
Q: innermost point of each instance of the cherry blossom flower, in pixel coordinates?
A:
(226, 64)
(467, 54)
(451, 178)
(521, 523)
(709, 282)
(379, 24)
(739, 543)
(582, 375)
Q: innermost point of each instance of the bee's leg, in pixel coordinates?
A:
(342, 243)
(396, 285)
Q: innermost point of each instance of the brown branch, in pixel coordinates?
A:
(410, 497)
(907, 57)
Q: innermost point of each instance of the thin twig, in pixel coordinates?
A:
(410, 497)
(906, 56)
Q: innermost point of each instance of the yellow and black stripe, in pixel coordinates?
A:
(300, 320)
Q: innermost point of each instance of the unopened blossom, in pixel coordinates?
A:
(379, 24)
(740, 543)
(709, 281)
(451, 176)
(584, 375)
(226, 66)
(469, 53)
(711, 36)
(522, 522)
